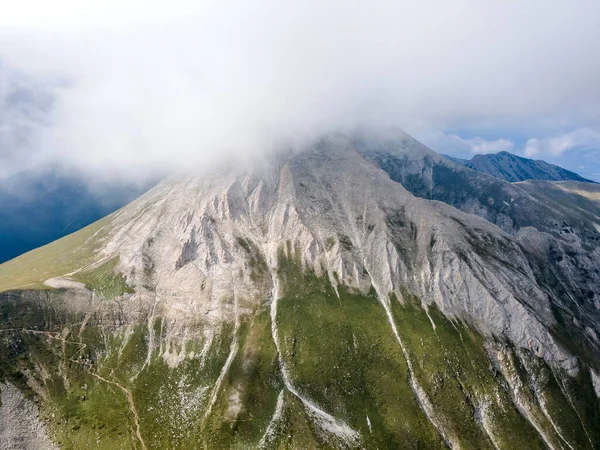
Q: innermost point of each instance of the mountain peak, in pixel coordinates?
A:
(313, 302)
(511, 167)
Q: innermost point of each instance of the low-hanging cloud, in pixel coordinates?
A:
(138, 88)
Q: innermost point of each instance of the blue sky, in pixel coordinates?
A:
(577, 150)
(130, 88)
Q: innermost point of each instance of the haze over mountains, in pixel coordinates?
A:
(360, 292)
(513, 168)
(40, 205)
(308, 276)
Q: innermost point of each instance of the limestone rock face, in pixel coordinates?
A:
(197, 265)
(20, 427)
(196, 242)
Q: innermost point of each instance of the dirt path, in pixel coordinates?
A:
(129, 396)
(63, 339)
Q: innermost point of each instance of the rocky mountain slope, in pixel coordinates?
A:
(429, 175)
(314, 303)
(509, 167)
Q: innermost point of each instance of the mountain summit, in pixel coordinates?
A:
(328, 300)
(513, 168)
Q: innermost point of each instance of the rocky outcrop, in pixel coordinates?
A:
(20, 426)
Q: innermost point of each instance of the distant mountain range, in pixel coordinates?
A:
(40, 205)
(514, 168)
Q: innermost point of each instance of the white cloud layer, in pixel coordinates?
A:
(583, 138)
(455, 145)
(139, 87)
(480, 145)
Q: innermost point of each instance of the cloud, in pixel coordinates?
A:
(25, 105)
(582, 138)
(153, 86)
(479, 145)
(458, 146)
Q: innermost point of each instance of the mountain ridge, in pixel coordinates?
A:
(316, 303)
(514, 168)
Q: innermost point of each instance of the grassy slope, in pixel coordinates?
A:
(580, 202)
(340, 352)
(451, 364)
(60, 257)
(104, 280)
